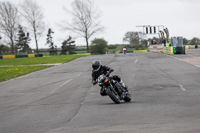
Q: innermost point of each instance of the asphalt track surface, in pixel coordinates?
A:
(165, 97)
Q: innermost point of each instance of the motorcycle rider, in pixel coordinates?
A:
(124, 49)
(98, 69)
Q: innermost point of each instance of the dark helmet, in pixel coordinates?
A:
(96, 65)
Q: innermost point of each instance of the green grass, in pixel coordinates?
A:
(16, 70)
(76, 51)
(40, 60)
(81, 52)
(12, 72)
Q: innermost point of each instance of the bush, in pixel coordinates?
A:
(137, 47)
(119, 48)
(99, 46)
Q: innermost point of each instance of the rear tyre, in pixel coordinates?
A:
(127, 97)
(113, 96)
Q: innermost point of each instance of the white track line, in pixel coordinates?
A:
(65, 83)
(136, 61)
(182, 88)
(61, 85)
(79, 75)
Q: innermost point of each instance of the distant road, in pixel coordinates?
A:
(61, 99)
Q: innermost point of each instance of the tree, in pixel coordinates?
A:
(23, 40)
(99, 45)
(132, 37)
(9, 22)
(53, 49)
(85, 20)
(144, 43)
(119, 48)
(33, 15)
(112, 46)
(194, 41)
(185, 41)
(68, 45)
(4, 49)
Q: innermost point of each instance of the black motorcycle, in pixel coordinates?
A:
(114, 89)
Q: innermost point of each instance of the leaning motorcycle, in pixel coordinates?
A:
(113, 89)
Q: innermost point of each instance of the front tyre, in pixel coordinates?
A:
(113, 96)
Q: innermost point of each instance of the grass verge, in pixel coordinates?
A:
(17, 70)
(13, 72)
(40, 60)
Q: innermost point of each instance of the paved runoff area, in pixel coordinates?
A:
(165, 97)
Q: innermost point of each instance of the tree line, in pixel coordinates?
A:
(85, 23)
(136, 39)
(133, 40)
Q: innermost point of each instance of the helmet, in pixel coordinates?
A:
(96, 65)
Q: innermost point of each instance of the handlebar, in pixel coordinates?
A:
(108, 73)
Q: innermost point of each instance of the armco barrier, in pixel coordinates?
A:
(168, 50)
(20, 56)
(138, 51)
(8, 56)
(191, 46)
(39, 55)
(156, 48)
(31, 55)
(174, 50)
(179, 50)
(185, 50)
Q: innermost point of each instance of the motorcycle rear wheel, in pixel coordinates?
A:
(127, 97)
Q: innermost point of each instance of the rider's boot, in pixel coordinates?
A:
(123, 84)
(103, 92)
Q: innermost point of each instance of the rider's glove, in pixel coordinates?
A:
(108, 73)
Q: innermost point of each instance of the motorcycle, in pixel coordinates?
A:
(113, 89)
(124, 51)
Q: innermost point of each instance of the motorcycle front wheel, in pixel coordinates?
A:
(115, 97)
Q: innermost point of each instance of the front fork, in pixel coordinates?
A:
(112, 88)
(120, 90)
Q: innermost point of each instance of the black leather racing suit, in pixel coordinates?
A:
(103, 70)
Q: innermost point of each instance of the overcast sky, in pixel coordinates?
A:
(181, 17)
